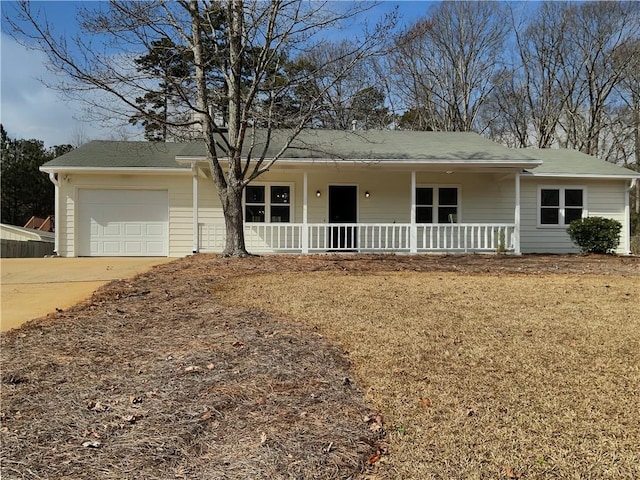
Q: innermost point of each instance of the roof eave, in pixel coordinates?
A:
(120, 170)
(624, 176)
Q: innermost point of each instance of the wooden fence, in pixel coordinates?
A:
(25, 249)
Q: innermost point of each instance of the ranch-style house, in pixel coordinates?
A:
(365, 191)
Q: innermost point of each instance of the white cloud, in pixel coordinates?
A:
(28, 109)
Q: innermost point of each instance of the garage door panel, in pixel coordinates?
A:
(133, 248)
(110, 248)
(154, 229)
(155, 248)
(133, 229)
(123, 223)
(111, 230)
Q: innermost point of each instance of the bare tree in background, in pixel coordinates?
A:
(445, 64)
(597, 31)
(257, 35)
(547, 79)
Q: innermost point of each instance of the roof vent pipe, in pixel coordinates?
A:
(353, 125)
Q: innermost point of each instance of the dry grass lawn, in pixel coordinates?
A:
(482, 376)
(334, 367)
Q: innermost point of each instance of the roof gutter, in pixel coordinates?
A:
(385, 161)
(580, 175)
(117, 170)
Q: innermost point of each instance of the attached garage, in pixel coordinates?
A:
(122, 223)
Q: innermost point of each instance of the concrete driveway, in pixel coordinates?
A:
(33, 287)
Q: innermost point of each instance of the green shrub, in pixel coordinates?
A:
(595, 234)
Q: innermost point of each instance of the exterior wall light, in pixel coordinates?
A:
(318, 193)
(367, 194)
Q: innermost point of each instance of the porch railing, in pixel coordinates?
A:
(364, 237)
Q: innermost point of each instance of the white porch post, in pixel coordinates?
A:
(305, 215)
(413, 230)
(516, 233)
(196, 235)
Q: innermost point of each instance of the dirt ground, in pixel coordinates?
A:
(170, 375)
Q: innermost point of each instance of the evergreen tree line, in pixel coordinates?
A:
(26, 191)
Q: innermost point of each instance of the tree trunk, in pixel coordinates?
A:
(231, 199)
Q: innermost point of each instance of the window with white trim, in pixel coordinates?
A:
(560, 205)
(437, 204)
(267, 203)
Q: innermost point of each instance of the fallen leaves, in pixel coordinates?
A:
(376, 423)
(97, 406)
(133, 417)
(379, 453)
(510, 472)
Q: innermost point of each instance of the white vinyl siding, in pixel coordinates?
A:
(603, 198)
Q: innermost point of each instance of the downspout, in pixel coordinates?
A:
(627, 217)
(516, 246)
(56, 212)
(196, 233)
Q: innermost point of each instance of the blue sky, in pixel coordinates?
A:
(28, 109)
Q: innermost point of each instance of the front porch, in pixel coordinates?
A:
(361, 237)
(379, 211)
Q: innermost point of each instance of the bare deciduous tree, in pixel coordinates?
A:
(444, 65)
(258, 35)
(596, 32)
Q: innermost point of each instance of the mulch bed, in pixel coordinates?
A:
(154, 378)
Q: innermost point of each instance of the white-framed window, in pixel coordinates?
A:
(560, 205)
(437, 204)
(269, 203)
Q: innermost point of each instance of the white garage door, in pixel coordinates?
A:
(123, 223)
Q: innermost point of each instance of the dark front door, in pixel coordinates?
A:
(343, 208)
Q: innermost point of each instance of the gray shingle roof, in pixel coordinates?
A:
(112, 154)
(383, 146)
(572, 162)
